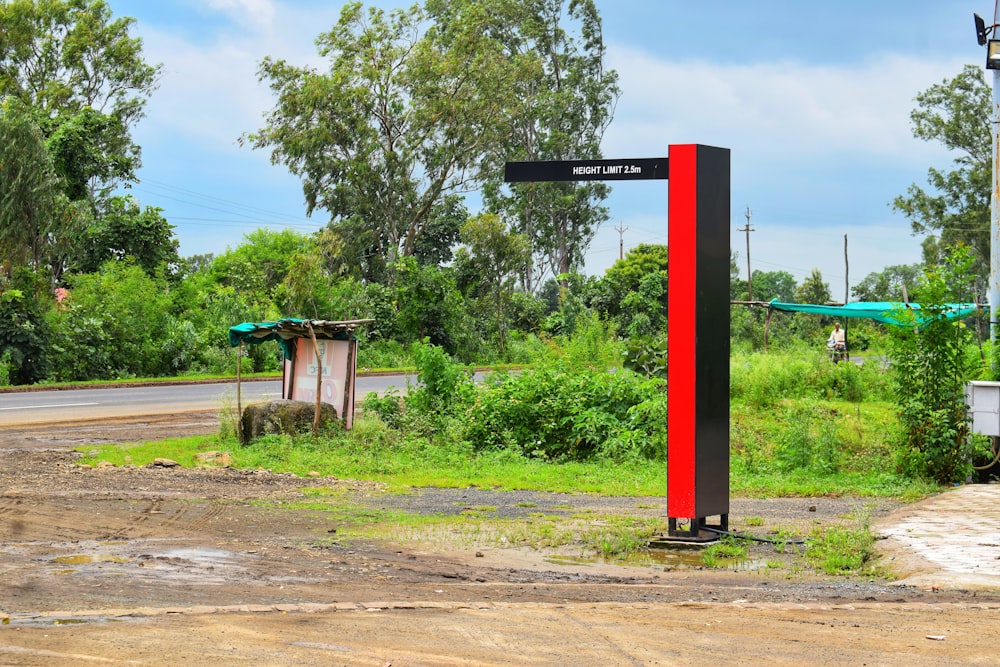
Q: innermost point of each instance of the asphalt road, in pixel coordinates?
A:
(34, 407)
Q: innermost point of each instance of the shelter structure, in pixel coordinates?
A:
(896, 313)
(320, 360)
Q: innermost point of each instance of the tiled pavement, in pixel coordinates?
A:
(951, 540)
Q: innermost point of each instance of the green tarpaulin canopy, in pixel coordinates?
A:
(890, 312)
(285, 329)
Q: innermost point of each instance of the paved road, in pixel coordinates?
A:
(103, 403)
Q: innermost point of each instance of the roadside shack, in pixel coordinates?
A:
(320, 361)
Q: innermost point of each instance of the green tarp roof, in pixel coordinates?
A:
(285, 329)
(881, 311)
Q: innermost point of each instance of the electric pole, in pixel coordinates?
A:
(621, 240)
(749, 281)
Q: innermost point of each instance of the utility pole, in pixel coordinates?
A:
(987, 36)
(847, 290)
(748, 230)
(621, 240)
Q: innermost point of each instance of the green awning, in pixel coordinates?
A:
(285, 329)
(889, 312)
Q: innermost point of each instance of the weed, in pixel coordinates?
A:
(724, 552)
(753, 521)
(841, 550)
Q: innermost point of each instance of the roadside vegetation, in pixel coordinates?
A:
(401, 114)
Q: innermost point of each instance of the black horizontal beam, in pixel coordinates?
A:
(627, 169)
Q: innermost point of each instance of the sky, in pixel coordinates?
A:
(812, 99)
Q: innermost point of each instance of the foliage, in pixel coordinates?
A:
(848, 550)
(646, 355)
(626, 275)
(125, 230)
(403, 115)
(570, 102)
(764, 380)
(262, 262)
(930, 365)
(72, 84)
(30, 201)
(430, 306)
(957, 114)
(893, 283)
(71, 54)
(557, 415)
(120, 320)
(24, 334)
(813, 289)
(497, 255)
(444, 386)
(768, 285)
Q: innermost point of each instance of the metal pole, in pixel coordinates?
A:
(995, 221)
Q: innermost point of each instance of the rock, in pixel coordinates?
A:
(283, 416)
(164, 463)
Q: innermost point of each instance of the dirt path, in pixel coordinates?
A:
(158, 566)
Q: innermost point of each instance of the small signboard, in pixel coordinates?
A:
(338, 369)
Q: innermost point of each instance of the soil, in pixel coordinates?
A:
(161, 565)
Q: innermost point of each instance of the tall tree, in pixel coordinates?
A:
(957, 114)
(571, 101)
(85, 76)
(401, 117)
(500, 255)
(73, 72)
(813, 289)
(29, 191)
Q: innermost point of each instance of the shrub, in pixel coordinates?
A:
(558, 414)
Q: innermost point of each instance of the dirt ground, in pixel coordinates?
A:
(164, 565)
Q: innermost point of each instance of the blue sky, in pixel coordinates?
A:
(812, 98)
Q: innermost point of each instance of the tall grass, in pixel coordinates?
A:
(762, 380)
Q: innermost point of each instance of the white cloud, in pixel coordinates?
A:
(788, 111)
(257, 13)
(209, 93)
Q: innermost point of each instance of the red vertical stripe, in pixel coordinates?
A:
(681, 301)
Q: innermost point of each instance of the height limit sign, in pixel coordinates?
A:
(629, 169)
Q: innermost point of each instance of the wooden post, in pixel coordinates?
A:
(319, 379)
(239, 402)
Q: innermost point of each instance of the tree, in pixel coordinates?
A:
(125, 230)
(813, 289)
(264, 253)
(769, 285)
(626, 275)
(956, 113)
(73, 79)
(571, 99)
(24, 334)
(86, 78)
(29, 191)
(500, 255)
(890, 284)
(403, 116)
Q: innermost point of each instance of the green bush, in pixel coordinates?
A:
(559, 414)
